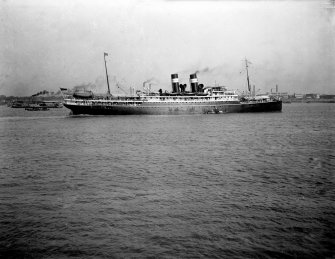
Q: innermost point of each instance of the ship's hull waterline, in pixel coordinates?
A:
(175, 109)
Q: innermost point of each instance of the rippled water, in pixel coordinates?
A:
(199, 186)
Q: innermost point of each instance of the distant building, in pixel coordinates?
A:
(327, 96)
(298, 96)
(312, 96)
(280, 94)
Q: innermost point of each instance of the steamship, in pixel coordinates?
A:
(199, 100)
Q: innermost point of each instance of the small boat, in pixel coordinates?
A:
(36, 107)
(18, 104)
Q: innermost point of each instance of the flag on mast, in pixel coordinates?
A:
(105, 54)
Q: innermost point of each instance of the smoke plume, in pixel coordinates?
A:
(152, 80)
(84, 87)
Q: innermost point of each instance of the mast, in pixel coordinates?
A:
(246, 66)
(106, 54)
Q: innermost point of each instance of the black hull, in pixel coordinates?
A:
(272, 106)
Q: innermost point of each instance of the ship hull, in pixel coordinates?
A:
(147, 109)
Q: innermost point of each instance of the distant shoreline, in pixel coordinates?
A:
(309, 100)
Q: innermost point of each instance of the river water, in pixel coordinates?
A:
(258, 185)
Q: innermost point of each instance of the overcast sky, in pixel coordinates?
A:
(45, 44)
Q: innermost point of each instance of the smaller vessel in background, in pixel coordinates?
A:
(18, 104)
(36, 107)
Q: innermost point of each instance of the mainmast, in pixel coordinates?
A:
(246, 66)
(106, 54)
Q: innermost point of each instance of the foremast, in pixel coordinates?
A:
(248, 81)
(106, 54)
